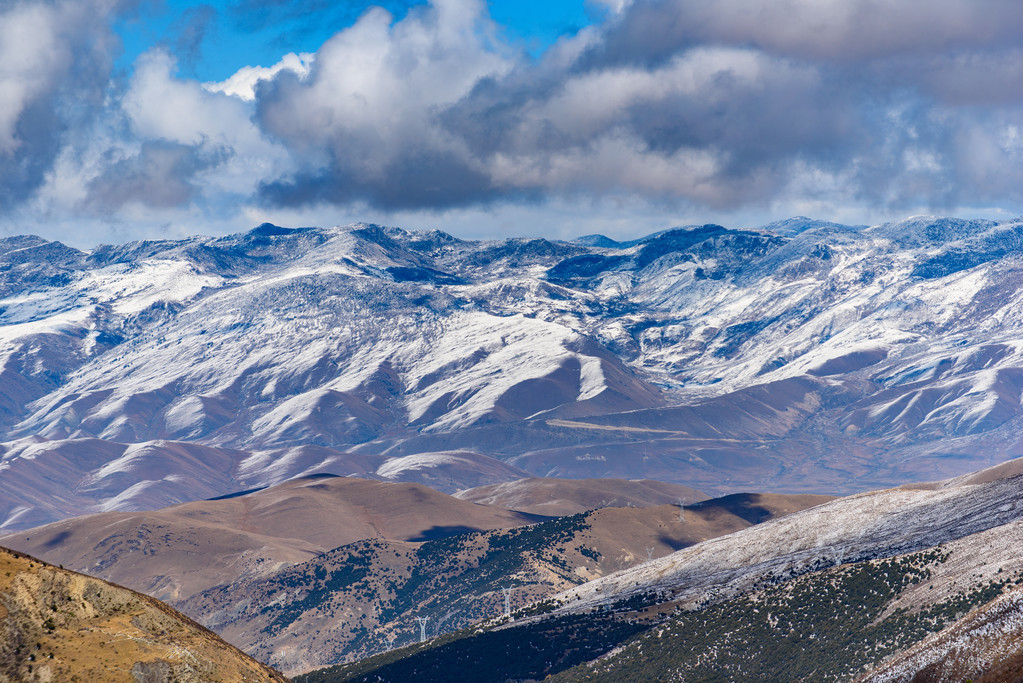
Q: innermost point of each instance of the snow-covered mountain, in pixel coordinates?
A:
(798, 356)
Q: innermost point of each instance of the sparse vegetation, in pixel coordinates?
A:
(826, 625)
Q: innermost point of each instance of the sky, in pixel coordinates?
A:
(146, 119)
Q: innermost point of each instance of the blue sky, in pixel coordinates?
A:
(215, 38)
(128, 119)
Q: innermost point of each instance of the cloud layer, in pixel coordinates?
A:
(721, 106)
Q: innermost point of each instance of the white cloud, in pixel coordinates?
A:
(32, 54)
(671, 108)
(242, 84)
(374, 87)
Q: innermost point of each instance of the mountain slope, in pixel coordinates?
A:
(985, 645)
(353, 600)
(42, 481)
(56, 625)
(819, 594)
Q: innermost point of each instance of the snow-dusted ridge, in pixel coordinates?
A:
(864, 526)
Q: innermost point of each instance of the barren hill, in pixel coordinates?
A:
(177, 551)
(552, 496)
(57, 625)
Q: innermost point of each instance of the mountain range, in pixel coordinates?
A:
(801, 356)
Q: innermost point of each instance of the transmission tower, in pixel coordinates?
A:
(507, 600)
(390, 641)
(422, 628)
(681, 509)
(649, 554)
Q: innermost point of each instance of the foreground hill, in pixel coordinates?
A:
(56, 625)
(178, 551)
(321, 569)
(364, 597)
(822, 594)
(800, 356)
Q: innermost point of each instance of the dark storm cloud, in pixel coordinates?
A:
(55, 62)
(844, 31)
(424, 177)
(38, 131)
(161, 175)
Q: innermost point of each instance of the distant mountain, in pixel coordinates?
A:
(56, 625)
(856, 586)
(803, 356)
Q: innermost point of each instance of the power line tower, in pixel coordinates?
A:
(681, 509)
(390, 641)
(422, 628)
(507, 600)
(649, 554)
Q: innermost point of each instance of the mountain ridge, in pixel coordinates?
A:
(721, 359)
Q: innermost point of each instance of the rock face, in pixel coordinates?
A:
(56, 625)
(801, 356)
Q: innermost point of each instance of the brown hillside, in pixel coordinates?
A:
(57, 625)
(378, 588)
(180, 550)
(556, 497)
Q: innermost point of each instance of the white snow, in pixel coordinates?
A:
(271, 344)
(396, 467)
(876, 524)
